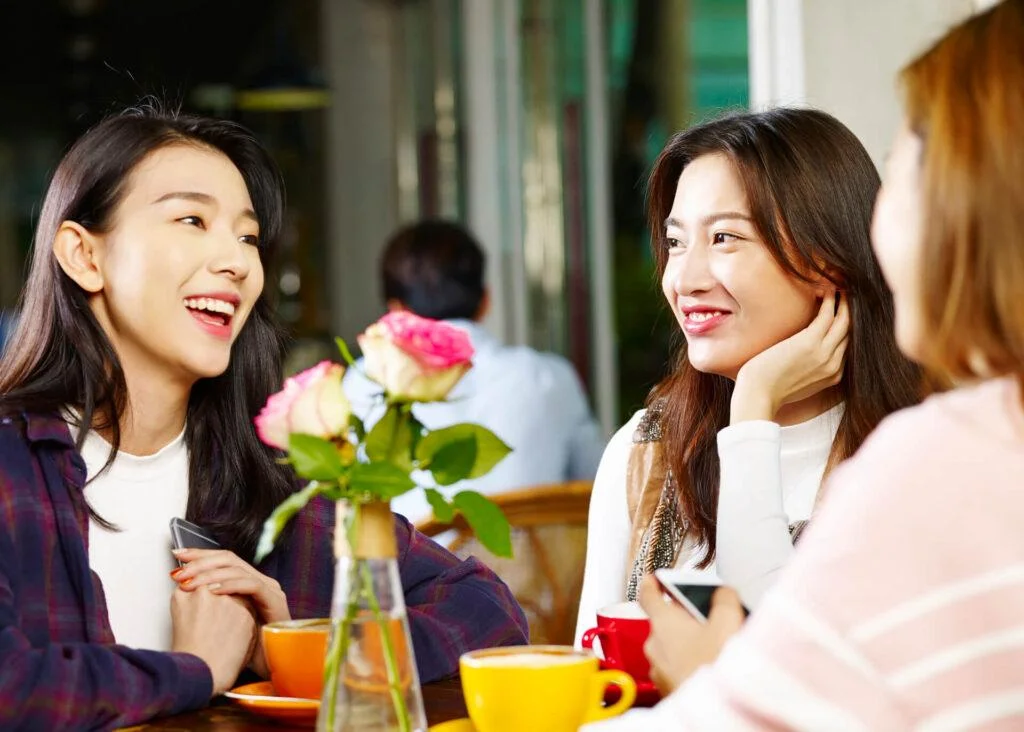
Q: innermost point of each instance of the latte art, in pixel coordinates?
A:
(530, 660)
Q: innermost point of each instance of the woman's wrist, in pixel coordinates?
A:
(750, 403)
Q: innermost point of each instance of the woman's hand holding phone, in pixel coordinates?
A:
(679, 643)
(222, 572)
(796, 368)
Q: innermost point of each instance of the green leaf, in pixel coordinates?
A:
(490, 450)
(418, 430)
(378, 440)
(383, 480)
(442, 509)
(487, 521)
(274, 525)
(345, 353)
(453, 461)
(357, 425)
(314, 458)
(391, 439)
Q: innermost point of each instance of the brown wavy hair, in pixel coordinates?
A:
(964, 98)
(810, 186)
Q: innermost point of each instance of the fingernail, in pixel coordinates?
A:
(214, 586)
(178, 552)
(176, 572)
(187, 582)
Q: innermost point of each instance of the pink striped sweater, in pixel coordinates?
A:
(904, 606)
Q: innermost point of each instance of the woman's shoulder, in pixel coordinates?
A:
(611, 473)
(18, 430)
(13, 441)
(639, 428)
(977, 422)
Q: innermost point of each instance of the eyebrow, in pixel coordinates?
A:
(204, 198)
(711, 219)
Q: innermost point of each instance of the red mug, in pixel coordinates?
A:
(623, 629)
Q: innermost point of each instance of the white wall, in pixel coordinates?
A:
(843, 56)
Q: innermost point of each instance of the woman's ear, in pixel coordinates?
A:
(826, 281)
(79, 253)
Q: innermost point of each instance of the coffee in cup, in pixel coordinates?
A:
(539, 688)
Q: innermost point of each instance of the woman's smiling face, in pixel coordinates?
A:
(730, 296)
(180, 266)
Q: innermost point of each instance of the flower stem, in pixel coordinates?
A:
(390, 659)
(341, 634)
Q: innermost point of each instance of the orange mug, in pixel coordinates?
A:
(295, 652)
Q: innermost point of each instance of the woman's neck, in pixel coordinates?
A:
(809, 408)
(154, 415)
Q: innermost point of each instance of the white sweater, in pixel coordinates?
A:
(770, 479)
(139, 495)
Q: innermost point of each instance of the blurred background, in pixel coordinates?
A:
(532, 121)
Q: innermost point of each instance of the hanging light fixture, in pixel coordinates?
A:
(284, 83)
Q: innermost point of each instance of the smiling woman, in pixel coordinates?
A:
(145, 349)
(760, 227)
(118, 250)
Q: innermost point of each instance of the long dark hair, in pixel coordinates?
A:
(811, 187)
(59, 356)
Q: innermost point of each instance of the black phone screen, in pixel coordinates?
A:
(698, 595)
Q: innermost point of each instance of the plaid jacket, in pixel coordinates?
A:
(59, 665)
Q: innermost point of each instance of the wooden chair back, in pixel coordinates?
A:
(549, 544)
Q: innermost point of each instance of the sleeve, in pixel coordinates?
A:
(86, 685)
(753, 541)
(454, 606)
(604, 575)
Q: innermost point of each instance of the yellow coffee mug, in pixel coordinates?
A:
(539, 688)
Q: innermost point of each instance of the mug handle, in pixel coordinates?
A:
(607, 639)
(604, 679)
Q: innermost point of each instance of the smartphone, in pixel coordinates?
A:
(690, 589)
(187, 535)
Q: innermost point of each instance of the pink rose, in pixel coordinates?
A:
(311, 403)
(414, 358)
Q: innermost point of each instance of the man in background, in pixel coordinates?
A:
(533, 401)
(7, 322)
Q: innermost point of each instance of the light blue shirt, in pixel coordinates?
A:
(7, 323)
(533, 401)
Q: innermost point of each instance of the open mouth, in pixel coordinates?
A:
(211, 312)
(701, 322)
(704, 315)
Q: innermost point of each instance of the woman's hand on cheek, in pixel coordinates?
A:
(679, 644)
(794, 369)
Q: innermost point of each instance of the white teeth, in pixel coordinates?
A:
(209, 304)
(702, 316)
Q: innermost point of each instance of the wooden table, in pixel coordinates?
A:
(442, 699)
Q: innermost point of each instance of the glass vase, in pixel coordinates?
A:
(370, 678)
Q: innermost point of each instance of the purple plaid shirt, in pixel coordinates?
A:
(59, 665)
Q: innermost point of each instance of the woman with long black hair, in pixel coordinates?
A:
(144, 349)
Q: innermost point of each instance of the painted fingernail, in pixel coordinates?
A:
(176, 572)
(186, 582)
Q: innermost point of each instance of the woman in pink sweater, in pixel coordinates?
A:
(904, 606)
